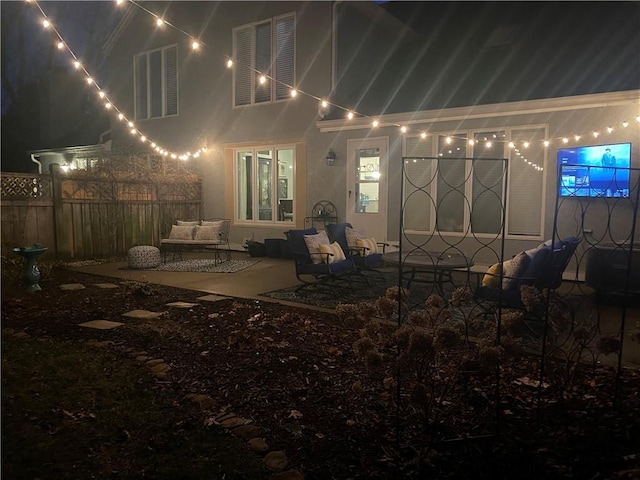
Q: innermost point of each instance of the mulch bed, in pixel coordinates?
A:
(293, 371)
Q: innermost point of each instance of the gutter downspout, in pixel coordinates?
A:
(37, 162)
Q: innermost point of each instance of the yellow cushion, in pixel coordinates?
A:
(492, 277)
(368, 244)
(335, 250)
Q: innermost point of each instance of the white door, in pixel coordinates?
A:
(367, 186)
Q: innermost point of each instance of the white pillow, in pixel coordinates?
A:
(313, 244)
(182, 232)
(206, 233)
(335, 250)
(183, 223)
(367, 246)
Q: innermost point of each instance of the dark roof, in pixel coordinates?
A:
(473, 53)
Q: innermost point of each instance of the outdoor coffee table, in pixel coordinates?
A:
(435, 268)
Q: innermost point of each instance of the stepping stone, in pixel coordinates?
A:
(234, 422)
(142, 358)
(160, 368)
(288, 475)
(106, 285)
(247, 432)
(71, 286)
(101, 324)
(276, 461)
(212, 298)
(182, 304)
(21, 335)
(142, 314)
(205, 401)
(153, 362)
(258, 445)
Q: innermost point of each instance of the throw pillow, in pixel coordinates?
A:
(313, 244)
(514, 268)
(352, 236)
(367, 245)
(183, 223)
(206, 233)
(335, 250)
(182, 232)
(492, 276)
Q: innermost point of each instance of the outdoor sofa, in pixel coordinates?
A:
(189, 235)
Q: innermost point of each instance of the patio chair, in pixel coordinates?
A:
(317, 268)
(540, 267)
(361, 255)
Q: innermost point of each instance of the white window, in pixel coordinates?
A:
(264, 184)
(455, 183)
(156, 83)
(265, 48)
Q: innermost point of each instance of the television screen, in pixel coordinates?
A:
(594, 171)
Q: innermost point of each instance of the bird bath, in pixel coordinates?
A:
(32, 273)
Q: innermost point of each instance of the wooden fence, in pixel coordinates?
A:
(79, 215)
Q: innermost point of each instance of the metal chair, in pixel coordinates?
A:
(315, 274)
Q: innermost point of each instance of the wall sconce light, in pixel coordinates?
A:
(331, 157)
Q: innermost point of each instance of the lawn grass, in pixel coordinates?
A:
(74, 411)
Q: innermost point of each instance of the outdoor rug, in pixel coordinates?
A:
(205, 265)
(357, 291)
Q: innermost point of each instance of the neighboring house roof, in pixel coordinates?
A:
(475, 53)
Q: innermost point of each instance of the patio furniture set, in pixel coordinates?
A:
(186, 235)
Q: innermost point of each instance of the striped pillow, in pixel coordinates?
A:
(369, 245)
(335, 249)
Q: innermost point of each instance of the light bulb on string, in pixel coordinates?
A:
(60, 45)
(324, 104)
(512, 145)
(565, 140)
(46, 23)
(609, 129)
(374, 124)
(403, 129)
(294, 92)
(77, 65)
(423, 135)
(229, 63)
(159, 22)
(195, 45)
(546, 143)
(625, 124)
(595, 134)
(350, 115)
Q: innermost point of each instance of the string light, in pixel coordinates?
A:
(350, 115)
(229, 63)
(294, 92)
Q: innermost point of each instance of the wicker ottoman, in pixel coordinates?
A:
(143, 256)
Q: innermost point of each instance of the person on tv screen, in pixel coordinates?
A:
(608, 160)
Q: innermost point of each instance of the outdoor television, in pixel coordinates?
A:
(594, 171)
